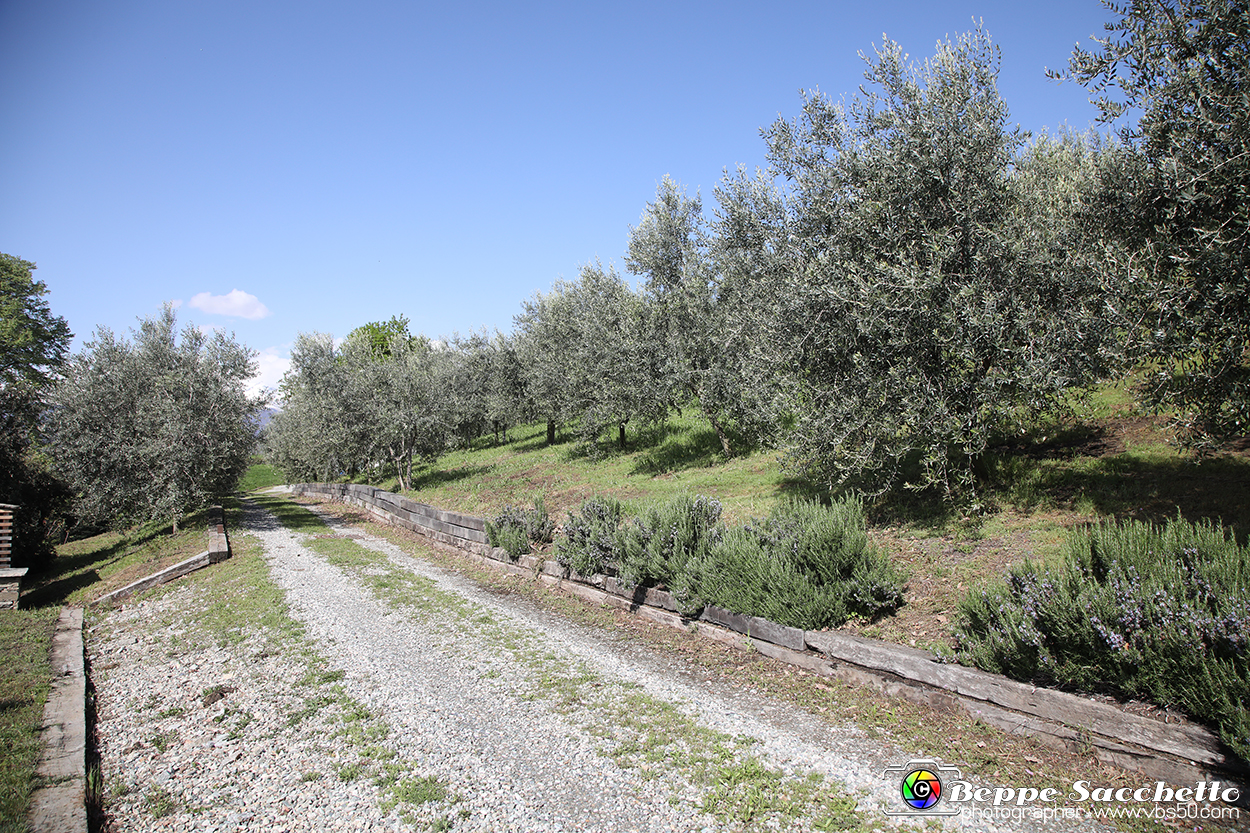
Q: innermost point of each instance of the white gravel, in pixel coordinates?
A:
(465, 688)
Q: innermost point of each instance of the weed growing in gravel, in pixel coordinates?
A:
(159, 802)
(421, 790)
(163, 740)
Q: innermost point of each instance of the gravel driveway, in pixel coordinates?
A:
(412, 698)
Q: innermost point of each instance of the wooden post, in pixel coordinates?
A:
(6, 535)
(10, 578)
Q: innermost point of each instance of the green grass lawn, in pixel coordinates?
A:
(25, 679)
(260, 476)
(682, 456)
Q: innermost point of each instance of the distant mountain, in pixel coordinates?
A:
(266, 415)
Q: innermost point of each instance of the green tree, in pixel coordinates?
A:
(379, 335)
(506, 397)
(33, 341)
(153, 428)
(33, 344)
(910, 312)
(364, 405)
(1183, 66)
(587, 355)
(405, 402)
(703, 344)
(670, 247)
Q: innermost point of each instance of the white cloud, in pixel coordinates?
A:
(272, 366)
(236, 303)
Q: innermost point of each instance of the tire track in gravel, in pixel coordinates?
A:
(533, 722)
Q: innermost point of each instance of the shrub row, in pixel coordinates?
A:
(806, 565)
(1158, 614)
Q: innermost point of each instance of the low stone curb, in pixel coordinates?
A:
(1178, 753)
(60, 806)
(218, 550)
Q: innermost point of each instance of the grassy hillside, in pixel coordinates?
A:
(1109, 462)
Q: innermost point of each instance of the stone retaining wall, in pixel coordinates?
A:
(1175, 752)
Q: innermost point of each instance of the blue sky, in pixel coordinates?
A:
(278, 167)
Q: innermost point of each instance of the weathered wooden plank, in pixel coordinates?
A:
(412, 505)
(383, 500)
(770, 631)
(662, 599)
(726, 618)
(1186, 741)
(466, 521)
(165, 576)
(469, 534)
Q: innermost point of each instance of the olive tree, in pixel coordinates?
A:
(156, 427)
(319, 433)
(910, 313)
(1183, 66)
(545, 333)
(587, 355)
(695, 326)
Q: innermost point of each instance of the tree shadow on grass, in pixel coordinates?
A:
(900, 506)
(284, 514)
(431, 477)
(539, 441)
(64, 575)
(670, 448)
(57, 591)
(1132, 486)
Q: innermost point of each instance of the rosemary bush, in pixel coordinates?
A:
(806, 565)
(1158, 614)
(591, 539)
(657, 545)
(516, 529)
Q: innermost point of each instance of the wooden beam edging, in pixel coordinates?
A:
(1175, 752)
(218, 550)
(60, 806)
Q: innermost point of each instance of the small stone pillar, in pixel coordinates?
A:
(10, 578)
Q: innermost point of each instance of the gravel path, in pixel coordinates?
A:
(414, 699)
